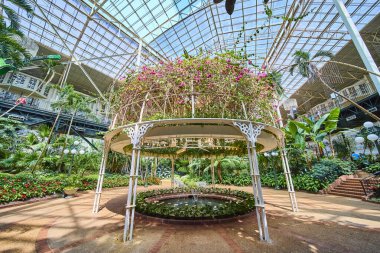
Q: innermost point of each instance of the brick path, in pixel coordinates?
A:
(324, 223)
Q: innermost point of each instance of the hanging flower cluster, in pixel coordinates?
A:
(217, 87)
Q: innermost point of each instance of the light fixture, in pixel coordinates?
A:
(359, 139)
(368, 124)
(274, 153)
(266, 154)
(66, 151)
(372, 137)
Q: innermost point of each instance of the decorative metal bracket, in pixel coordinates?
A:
(249, 130)
(137, 132)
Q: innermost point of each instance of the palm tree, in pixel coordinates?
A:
(73, 102)
(68, 100)
(306, 68)
(9, 46)
(11, 14)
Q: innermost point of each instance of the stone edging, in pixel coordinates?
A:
(192, 222)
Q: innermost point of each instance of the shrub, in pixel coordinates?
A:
(26, 186)
(375, 167)
(330, 169)
(244, 203)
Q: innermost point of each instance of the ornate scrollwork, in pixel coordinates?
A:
(249, 130)
(137, 132)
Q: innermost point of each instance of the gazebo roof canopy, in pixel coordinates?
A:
(195, 137)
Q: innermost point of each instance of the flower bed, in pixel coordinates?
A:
(26, 186)
(235, 203)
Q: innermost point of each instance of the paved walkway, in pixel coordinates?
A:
(324, 224)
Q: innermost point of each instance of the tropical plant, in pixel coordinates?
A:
(10, 48)
(316, 131)
(303, 61)
(8, 135)
(69, 101)
(10, 12)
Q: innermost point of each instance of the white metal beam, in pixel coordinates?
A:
(358, 42)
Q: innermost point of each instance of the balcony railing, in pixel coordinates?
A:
(15, 85)
(355, 92)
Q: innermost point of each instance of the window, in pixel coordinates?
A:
(352, 91)
(46, 91)
(20, 80)
(364, 88)
(32, 83)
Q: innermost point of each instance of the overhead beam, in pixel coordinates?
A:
(68, 48)
(358, 42)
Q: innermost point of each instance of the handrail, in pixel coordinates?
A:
(369, 182)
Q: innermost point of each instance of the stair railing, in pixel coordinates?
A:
(369, 183)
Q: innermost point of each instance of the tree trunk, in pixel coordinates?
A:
(219, 171)
(331, 146)
(65, 143)
(349, 100)
(47, 142)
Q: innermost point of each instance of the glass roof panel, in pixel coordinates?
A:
(109, 40)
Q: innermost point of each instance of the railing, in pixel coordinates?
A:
(356, 92)
(370, 183)
(47, 96)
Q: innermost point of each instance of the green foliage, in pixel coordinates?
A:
(245, 203)
(372, 168)
(297, 132)
(26, 186)
(330, 169)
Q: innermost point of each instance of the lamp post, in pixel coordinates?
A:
(269, 155)
(372, 135)
(73, 151)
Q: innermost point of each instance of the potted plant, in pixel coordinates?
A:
(72, 186)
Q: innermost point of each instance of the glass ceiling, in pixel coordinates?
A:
(104, 34)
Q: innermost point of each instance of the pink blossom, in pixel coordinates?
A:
(209, 75)
(182, 84)
(179, 61)
(262, 75)
(21, 101)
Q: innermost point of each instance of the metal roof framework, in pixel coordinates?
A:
(105, 34)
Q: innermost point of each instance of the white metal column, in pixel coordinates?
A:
(136, 133)
(252, 132)
(102, 169)
(212, 172)
(288, 177)
(358, 42)
(172, 173)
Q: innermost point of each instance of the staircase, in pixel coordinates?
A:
(349, 188)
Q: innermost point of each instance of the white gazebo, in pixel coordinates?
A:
(207, 112)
